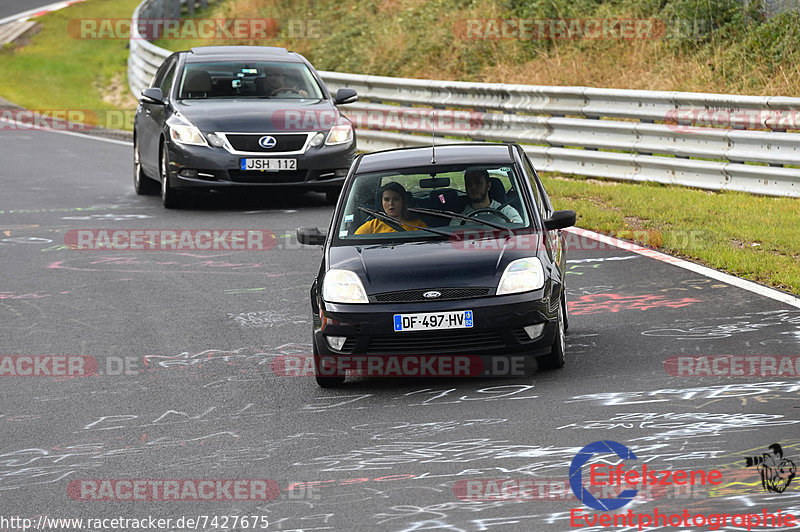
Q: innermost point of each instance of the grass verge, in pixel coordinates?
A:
(753, 237)
(51, 69)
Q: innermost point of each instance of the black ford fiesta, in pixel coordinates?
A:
(447, 253)
(240, 116)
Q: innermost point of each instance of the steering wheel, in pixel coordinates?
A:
(287, 89)
(489, 210)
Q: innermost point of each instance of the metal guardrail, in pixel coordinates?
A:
(144, 58)
(622, 134)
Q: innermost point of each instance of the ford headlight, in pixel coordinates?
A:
(340, 134)
(184, 132)
(343, 286)
(522, 275)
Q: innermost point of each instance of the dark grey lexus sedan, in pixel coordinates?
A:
(240, 116)
(437, 259)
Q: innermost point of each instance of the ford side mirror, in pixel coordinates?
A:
(311, 236)
(560, 220)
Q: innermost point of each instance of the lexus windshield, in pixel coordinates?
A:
(248, 79)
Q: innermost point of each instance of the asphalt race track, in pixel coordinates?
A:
(187, 386)
(12, 7)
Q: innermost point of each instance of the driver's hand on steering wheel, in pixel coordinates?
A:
(494, 213)
(300, 92)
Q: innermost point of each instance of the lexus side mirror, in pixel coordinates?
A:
(153, 95)
(345, 96)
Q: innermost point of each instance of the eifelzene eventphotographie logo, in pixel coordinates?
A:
(776, 471)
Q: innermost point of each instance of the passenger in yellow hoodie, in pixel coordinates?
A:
(393, 201)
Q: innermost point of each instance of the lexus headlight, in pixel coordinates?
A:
(522, 275)
(343, 286)
(340, 134)
(184, 132)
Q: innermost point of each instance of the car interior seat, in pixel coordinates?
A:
(197, 84)
(264, 86)
(223, 87)
(443, 199)
(497, 191)
(513, 199)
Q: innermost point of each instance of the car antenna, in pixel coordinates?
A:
(433, 139)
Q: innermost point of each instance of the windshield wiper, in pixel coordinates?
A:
(453, 215)
(397, 224)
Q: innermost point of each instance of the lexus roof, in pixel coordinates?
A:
(241, 52)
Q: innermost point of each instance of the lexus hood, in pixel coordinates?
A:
(259, 115)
